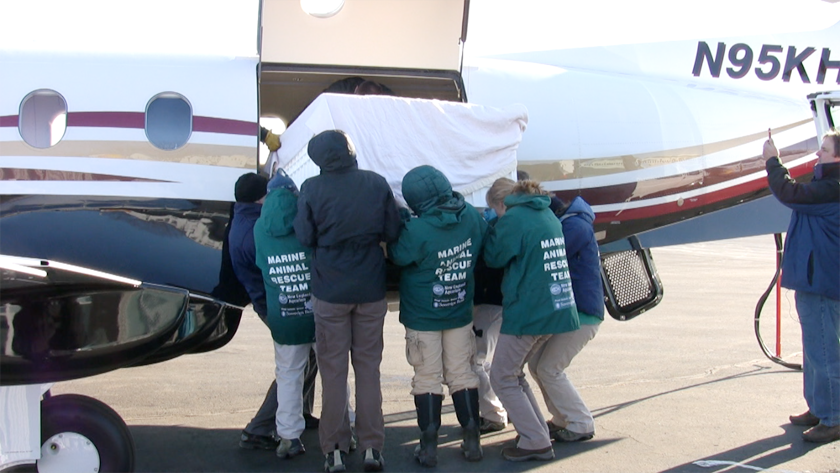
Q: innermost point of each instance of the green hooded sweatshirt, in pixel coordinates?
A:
(537, 290)
(285, 264)
(437, 252)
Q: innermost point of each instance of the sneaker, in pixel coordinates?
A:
(334, 461)
(257, 442)
(374, 460)
(552, 428)
(516, 454)
(805, 419)
(311, 421)
(289, 448)
(822, 433)
(488, 426)
(565, 435)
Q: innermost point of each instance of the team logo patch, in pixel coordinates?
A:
(437, 289)
(556, 289)
(283, 299)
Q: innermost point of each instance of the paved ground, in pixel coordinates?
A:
(682, 388)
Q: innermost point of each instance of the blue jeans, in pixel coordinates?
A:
(820, 320)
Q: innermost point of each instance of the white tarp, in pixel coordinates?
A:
(471, 144)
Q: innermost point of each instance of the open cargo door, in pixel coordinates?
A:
(826, 109)
(413, 47)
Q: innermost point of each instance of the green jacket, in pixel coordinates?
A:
(537, 291)
(284, 264)
(437, 252)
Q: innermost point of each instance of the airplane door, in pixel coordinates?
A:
(414, 47)
(405, 34)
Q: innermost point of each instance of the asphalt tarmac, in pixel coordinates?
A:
(681, 388)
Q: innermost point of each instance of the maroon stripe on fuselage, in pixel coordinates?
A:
(685, 182)
(9, 120)
(137, 120)
(17, 174)
(747, 191)
(223, 125)
(107, 119)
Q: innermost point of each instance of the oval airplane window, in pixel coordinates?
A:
(168, 121)
(43, 118)
(322, 8)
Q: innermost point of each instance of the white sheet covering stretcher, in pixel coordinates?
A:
(471, 144)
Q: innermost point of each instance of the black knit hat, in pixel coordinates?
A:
(250, 188)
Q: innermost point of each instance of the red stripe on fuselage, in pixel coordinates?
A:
(17, 174)
(137, 120)
(658, 210)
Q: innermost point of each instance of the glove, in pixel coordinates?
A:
(489, 214)
(405, 214)
(272, 141)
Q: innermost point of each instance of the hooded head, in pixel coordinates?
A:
(424, 188)
(332, 150)
(281, 180)
(250, 188)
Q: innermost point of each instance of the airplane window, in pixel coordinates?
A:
(168, 121)
(322, 8)
(43, 118)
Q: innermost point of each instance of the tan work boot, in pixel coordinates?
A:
(805, 419)
(822, 433)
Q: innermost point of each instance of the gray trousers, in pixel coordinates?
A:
(548, 367)
(264, 421)
(508, 380)
(487, 320)
(345, 332)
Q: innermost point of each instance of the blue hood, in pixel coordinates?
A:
(580, 207)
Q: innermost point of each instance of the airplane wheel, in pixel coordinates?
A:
(80, 434)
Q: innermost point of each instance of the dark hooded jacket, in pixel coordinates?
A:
(584, 259)
(284, 263)
(437, 251)
(343, 215)
(537, 291)
(812, 246)
(242, 253)
(488, 281)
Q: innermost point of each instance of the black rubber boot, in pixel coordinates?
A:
(466, 408)
(428, 419)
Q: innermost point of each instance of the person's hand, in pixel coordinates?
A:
(272, 141)
(770, 150)
(405, 214)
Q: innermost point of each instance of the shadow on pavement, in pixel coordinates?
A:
(756, 371)
(190, 449)
(760, 455)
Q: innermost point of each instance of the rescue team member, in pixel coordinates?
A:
(284, 264)
(250, 192)
(810, 267)
(343, 215)
(538, 302)
(487, 318)
(571, 420)
(437, 252)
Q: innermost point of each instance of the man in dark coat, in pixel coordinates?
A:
(250, 192)
(812, 250)
(344, 214)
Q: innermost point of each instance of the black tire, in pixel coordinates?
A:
(74, 413)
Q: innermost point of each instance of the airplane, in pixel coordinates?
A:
(118, 169)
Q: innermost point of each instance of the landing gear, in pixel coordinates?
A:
(80, 434)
